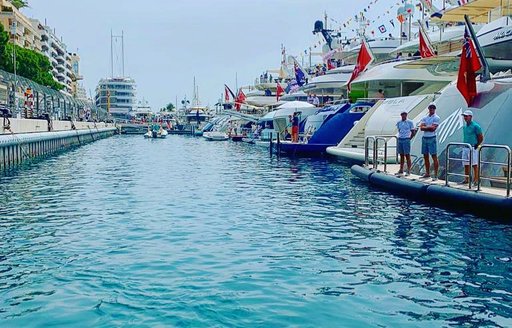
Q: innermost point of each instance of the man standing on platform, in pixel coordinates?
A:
(472, 135)
(406, 132)
(429, 126)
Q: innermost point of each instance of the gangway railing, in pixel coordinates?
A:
(457, 159)
(246, 117)
(507, 163)
(374, 142)
(481, 177)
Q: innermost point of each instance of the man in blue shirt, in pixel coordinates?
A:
(406, 132)
(429, 126)
(472, 135)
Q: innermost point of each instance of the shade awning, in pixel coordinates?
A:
(477, 10)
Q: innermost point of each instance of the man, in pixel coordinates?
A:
(380, 94)
(473, 136)
(406, 132)
(429, 126)
(316, 101)
(295, 127)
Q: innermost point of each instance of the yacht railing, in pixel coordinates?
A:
(374, 141)
(457, 159)
(507, 164)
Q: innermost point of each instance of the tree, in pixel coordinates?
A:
(168, 108)
(19, 3)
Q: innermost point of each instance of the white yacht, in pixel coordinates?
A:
(408, 85)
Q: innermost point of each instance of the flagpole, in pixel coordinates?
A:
(486, 75)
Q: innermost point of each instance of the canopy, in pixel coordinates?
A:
(295, 105)
(477, 10)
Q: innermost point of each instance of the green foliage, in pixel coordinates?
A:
(19, 3)
(29, 63)
(168, 108)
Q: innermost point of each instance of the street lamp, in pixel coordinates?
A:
(13, 33)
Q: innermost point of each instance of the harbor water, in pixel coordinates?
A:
(189, 233)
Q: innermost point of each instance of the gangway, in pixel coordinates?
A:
(246, 117)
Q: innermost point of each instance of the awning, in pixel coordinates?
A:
(477, 10)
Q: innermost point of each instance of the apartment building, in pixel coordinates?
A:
(25, 34)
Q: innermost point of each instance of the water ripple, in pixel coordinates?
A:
(183, 232)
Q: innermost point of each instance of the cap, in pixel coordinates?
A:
(403, 112)
(467, 113)
(432, 105)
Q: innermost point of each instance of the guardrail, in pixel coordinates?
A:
(374, 140)
(457, 159)
(481, 177)
(507, 163)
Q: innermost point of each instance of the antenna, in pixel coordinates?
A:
(119, 65)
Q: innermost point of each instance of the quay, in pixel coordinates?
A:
(22, 140)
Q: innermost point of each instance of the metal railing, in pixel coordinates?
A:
(507, 163)
(374, 140)
(457, 159)
(469, 176)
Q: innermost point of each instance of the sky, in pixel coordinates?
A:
(168, 42)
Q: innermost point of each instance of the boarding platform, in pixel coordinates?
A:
(489, 197)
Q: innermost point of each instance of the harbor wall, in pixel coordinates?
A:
(18, 148)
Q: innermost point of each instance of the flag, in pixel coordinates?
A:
(279, 91)
(462, 2)
(469, 64)
(364, 58)
(299, 75)
(426, 49)
(240, 99)
(227, 92)
(437, 14)
(427, 3)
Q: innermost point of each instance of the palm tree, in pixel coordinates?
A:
(19, 3)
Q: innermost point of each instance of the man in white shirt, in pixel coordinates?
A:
(406, 132)
(316, 101)
(429, 126)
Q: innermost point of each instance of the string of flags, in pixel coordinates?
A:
(386, 21)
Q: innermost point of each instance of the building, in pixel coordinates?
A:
(62, 62)
(26, 35)
(116, 95)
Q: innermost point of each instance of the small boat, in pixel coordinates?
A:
(156, 131)
(215, 136)
(238, 137)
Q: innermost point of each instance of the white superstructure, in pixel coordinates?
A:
(117, 95)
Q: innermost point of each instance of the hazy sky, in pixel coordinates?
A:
(168, 42)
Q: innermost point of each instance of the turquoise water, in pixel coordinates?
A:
(189, 233)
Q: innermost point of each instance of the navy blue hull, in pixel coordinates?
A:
(304, 149)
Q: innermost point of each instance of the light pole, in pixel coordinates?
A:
(13, 33)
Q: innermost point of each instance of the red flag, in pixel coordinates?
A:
(426, 49)
(240, 99)
(364, 58)
(279, 91)
(469, 64)
(226, 94)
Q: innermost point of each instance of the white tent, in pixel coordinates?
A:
(295, 105)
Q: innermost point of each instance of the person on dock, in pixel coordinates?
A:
(472, 135)
(295, 127)
(429, 126)
(406, 131)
